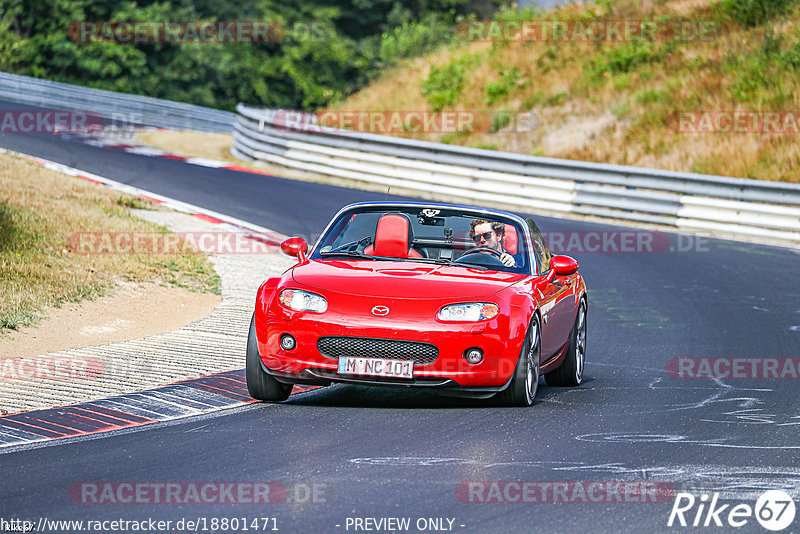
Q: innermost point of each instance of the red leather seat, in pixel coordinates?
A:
(510, 240)
(392, 238)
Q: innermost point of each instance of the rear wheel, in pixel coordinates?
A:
(570, 372)
(261, 385)
(525, 382)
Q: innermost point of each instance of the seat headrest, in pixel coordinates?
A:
(392, 236)
(510, 240)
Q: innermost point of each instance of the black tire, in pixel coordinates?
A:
(525, 382)
(570, 372)
(260, 384)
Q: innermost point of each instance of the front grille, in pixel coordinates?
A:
(365, 347)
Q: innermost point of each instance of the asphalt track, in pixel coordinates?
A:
(378, 453)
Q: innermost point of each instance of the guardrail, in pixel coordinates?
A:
(753, 209)
(117, 107)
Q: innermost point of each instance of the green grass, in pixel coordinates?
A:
(445, 83)
(486, 146)
(40, 213)
(753, 12)
(500, 120)
(748, 59)
(30, 259)
(507, 82)
(653, 96)
(133, 202)
(535, 99)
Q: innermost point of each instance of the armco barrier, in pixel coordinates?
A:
(752, 209)
(117, 107)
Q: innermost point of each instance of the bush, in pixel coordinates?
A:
(414, 39)
(653, 96)
(791, 57)
(627, 58)
(322, 50)
(512, 13)
(623, 59)
(556, 99)
(500, 120)
(498, 90)
(764, 75)
(444, 84)
(533, 100)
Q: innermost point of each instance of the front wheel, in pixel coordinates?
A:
(525, 382)
(570, 372)
(260, 384)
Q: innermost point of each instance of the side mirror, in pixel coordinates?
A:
(295, 246)
(563, 265)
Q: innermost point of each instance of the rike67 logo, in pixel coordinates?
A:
(774, 510)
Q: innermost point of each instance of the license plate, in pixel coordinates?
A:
(376, 367)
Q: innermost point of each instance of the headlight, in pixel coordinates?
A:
(303, 300)
(475, 311)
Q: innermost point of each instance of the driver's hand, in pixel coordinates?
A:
(508, 259)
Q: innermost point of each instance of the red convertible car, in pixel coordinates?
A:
(465, 301)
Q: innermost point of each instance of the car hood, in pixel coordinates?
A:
(398, 279)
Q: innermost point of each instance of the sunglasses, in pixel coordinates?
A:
(486, 236)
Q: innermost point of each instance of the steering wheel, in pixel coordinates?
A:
(483, 249)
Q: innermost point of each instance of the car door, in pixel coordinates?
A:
(556, 298)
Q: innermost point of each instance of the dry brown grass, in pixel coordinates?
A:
(194, 144)
(626, 117)
(39, 210)
(191, 143)
(619, 117)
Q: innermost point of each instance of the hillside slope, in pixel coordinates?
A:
(713, 89)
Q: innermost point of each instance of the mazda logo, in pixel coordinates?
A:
(380, 310)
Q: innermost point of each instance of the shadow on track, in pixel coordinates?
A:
(356, 396)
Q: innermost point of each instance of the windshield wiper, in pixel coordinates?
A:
(437, 261)
(348, 253)
(366, 241)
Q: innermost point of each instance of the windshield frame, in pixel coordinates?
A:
(531, 267)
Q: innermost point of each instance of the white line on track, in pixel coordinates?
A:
(167, 201)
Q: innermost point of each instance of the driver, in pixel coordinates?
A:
(490, 234)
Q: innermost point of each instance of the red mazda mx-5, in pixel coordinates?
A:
(464, 301)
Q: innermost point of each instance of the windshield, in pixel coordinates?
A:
(428, 235)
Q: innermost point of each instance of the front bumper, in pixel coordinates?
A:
(326, 377)
(305, 364)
